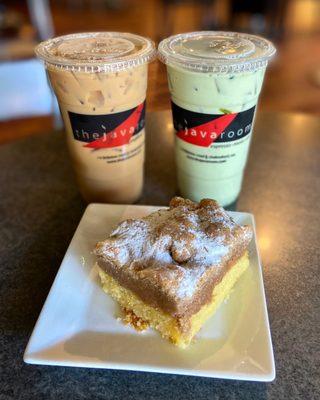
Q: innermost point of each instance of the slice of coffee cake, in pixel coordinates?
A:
(174, 267)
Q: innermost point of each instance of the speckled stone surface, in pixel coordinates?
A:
(40, 209)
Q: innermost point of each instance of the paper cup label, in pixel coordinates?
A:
(108, 130)
(205, 130)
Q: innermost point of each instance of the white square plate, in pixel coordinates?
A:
(78, 325)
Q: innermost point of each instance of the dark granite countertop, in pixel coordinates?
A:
(40, 208)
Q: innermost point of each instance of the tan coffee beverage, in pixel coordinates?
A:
(100, 81)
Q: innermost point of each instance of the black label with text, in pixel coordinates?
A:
(205, 129)
(108, 130)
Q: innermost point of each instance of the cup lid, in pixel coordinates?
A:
(96, 51)
(219, 52)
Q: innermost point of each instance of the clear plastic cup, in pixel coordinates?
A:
(215, 79)
(100, 80)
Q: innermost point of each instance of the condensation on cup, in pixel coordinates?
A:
(100, 80)
(214, 79)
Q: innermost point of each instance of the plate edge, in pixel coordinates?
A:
(270, 376)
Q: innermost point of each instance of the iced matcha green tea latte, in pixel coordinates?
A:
(215, 79)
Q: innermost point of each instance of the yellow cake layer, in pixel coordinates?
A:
(166, 324)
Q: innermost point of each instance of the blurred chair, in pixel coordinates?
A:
(41, 18)
(25, 89)
(261, 17)
(168, 10)
(266, 17)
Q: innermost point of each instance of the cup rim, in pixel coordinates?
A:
(146, 54)
(264, 51)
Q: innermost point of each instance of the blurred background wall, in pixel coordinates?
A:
(292, 83)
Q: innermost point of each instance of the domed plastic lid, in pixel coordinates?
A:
(219, 52)
(96, 52)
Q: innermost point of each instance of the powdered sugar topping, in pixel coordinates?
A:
(176, 246)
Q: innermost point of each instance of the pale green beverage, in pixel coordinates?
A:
(215, 79)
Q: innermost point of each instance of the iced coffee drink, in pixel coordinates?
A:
(100, 80)
(215, 79)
